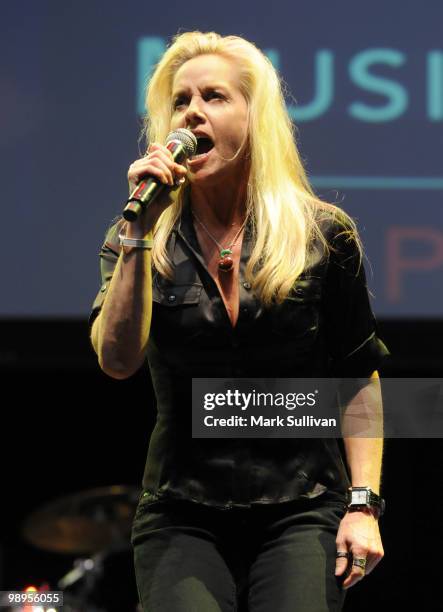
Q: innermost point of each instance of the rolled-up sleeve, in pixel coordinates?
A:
(109, 254)
(354, 346)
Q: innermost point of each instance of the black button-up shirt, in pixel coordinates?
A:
(324, 328)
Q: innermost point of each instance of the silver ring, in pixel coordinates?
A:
(346, 555)
(359, 562)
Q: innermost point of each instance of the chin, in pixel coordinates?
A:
(205, 177)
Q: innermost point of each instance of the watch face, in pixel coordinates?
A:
(359, 497)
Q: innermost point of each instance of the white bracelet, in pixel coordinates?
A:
(135, 242)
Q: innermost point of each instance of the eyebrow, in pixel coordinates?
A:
(184, 90)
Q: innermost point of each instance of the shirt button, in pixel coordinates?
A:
(171, 298)
(247, 285)
(245, 310)
(103, 287)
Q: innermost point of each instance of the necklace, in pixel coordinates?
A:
(226, 262)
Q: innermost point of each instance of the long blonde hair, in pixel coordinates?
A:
(283, 208)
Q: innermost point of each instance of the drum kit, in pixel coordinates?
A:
(94, 526)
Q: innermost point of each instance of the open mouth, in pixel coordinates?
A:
(204, 145)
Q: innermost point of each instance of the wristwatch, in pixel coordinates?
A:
(364, 497)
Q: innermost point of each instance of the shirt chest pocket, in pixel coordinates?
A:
(298, 315)
(173, 296)
(176, 310)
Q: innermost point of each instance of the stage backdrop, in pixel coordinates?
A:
(365, 89)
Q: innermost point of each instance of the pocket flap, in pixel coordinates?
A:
(177, 295)
(306, 289)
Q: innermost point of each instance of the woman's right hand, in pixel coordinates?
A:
(157, 162)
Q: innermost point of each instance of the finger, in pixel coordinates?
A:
(154, 146)
(157, 148)
(156, 151)
(165, 166)
(165, 156)
(341, 564)
(180, 170)
(356, 572)
(355, 575)
(154, 167)
(159, 157)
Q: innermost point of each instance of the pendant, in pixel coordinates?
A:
(226, 263)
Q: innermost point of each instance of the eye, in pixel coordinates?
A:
(214, 94)
(209, 95)
(178, 102)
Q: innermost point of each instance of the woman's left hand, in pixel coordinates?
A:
(358, 535)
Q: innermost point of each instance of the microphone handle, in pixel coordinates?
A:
(150, 187)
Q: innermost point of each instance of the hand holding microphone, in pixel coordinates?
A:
(153, 177)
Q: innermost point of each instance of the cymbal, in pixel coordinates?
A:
(85, 522)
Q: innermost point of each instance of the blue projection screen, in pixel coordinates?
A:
(364, 88)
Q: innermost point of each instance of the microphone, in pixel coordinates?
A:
(182, 143)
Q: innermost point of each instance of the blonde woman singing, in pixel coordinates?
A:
(249, 275)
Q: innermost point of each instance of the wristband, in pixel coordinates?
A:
(136, 242)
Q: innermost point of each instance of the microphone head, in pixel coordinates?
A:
(186, 138)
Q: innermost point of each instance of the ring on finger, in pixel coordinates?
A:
(343, 553)
(359, 562)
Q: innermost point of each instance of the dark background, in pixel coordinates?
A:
(69, 427)
(69, 121)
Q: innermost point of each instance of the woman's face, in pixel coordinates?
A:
(206, 99)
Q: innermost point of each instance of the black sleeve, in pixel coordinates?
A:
(109, 254)
(354, 346)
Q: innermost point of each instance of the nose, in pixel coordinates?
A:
(194, 115)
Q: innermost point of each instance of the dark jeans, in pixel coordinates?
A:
(272, 558)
